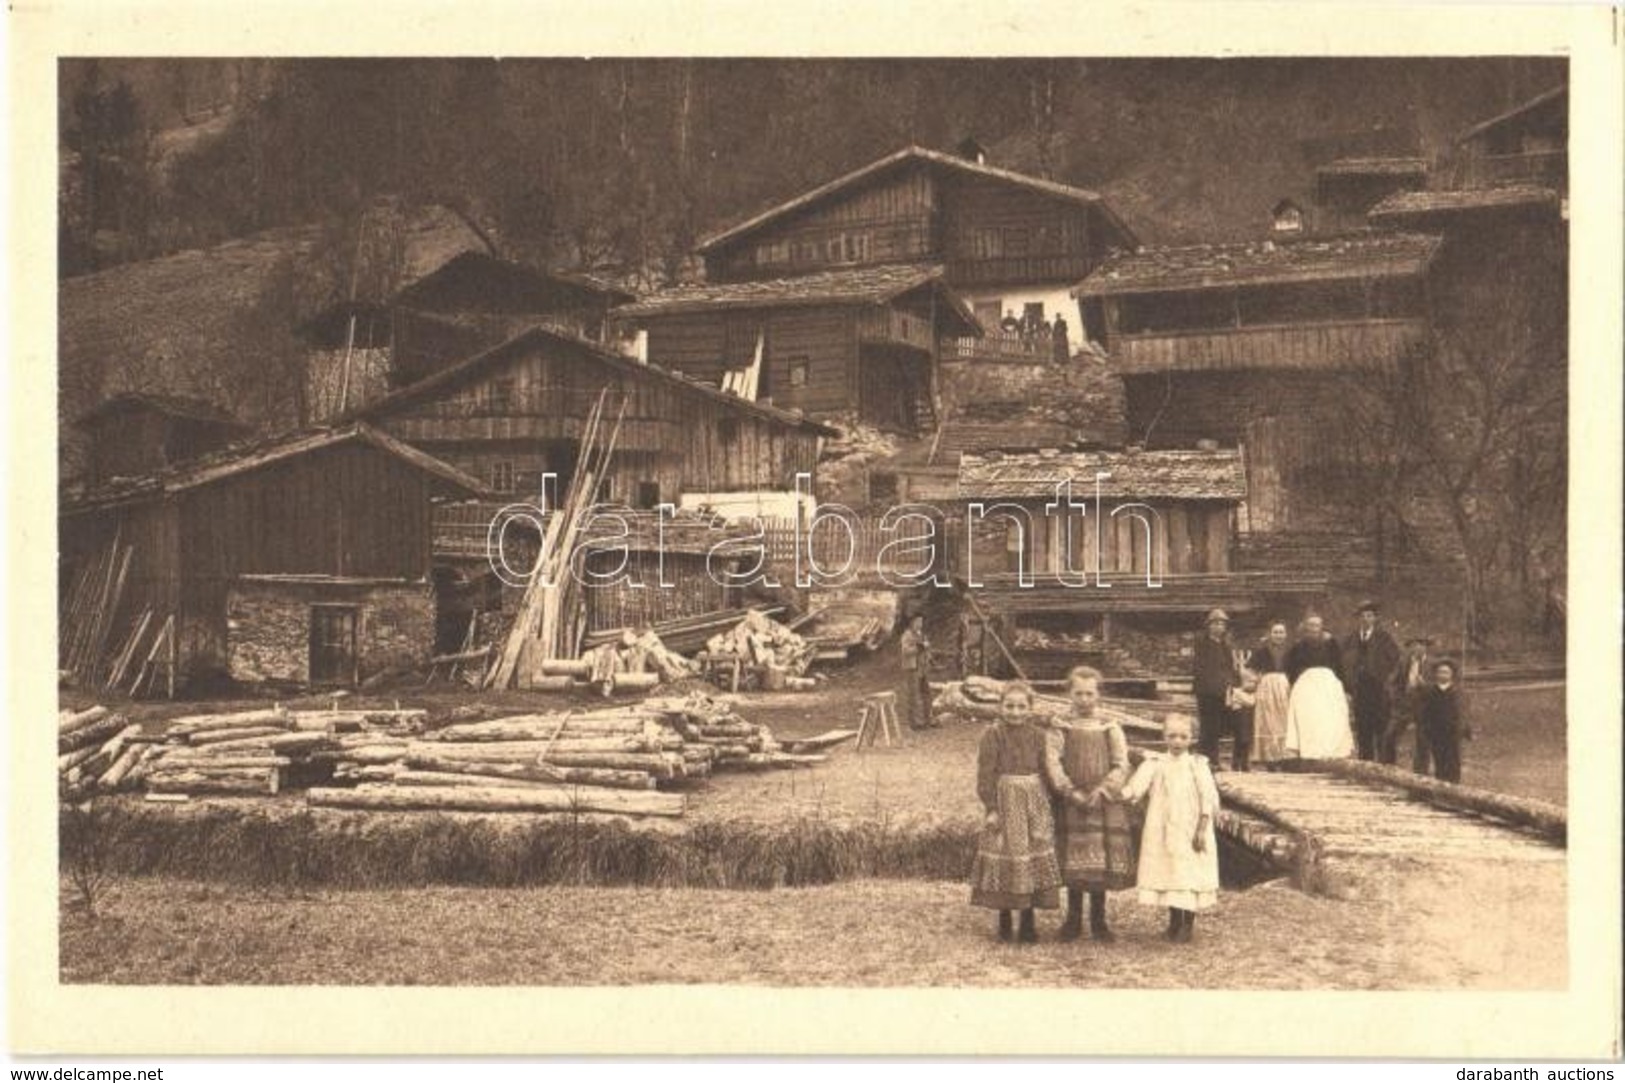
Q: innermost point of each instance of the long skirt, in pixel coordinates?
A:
(1269, 717)
(1317, 718)
(1015, 864)
(1097, 847)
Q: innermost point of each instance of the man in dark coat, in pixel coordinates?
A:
(1370, 662)
(915, 699)
(1214, 677)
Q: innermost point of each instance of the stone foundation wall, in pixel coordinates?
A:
(268, 626)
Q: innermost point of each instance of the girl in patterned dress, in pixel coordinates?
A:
(1015, 866)
(1179, 856)
(1094, 837)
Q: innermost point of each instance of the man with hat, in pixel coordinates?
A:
(1215, 675)
(1371, 661)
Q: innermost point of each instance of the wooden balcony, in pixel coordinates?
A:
(999, 346)
(1339, 344)
(892, 327)
(1128, 592)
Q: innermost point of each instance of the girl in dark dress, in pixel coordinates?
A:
(1270, 698)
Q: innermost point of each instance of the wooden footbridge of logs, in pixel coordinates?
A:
(1319, 818)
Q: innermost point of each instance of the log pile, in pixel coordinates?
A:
(253, 752)
(620, 761)
(93, 747)
(685, 635)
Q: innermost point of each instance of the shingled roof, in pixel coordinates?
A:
(1544, 98)
(852, 286)
(1402, 207)
(241, 458)
(935, 159)
(1134, 475)
(470, 367)
(1259, 263)
(1374, 167)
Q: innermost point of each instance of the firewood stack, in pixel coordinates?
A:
(763, 642)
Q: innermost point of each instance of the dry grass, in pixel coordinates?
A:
(863, 933)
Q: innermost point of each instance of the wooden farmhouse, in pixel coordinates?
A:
(852, 343)
(1009, 243)
(1247, 347)
(1524, 145)
(359, 351)
(134, 434)
(511, 414)
(303, 559)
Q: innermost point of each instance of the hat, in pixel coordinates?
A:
(1368, 604)
(1451, 662)
(1217, 614)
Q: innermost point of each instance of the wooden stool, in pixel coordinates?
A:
(878, 722)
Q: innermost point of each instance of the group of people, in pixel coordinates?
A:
(1321, 699)
(1058, 800)
(1038, 334)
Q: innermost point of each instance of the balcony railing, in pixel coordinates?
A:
(998, 270)
(891, 327)
(1340, 344)
(998, 345)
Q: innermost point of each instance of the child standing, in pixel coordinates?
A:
(1442, 721)
(1094, 838)
(1015, 866)
(1179, 861)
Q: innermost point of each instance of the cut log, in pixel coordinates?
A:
(121, 768)
(298, 744)
(534, 772)
(96, 733)
(226, 780)
(510, 750)
(207, 723)
(567, 667)
(207, 764)
(488, 799)
(634, 682)
(374, 754)
(69, 721)
(553, 684)
(542, 726)
(1542, 817)
(452, 778)
(827, 739)
(233, 735)
(114, 748)
(73, 759)
(382, 772)
(168, 798)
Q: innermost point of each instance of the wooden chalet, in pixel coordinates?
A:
(517, 411)
(134, 434)
(360, 350)
(303, 559)
(1245, 345)
(858, 342)
(1009, 242)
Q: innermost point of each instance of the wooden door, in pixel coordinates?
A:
(333, 644)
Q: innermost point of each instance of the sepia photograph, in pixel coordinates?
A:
(1032, 523)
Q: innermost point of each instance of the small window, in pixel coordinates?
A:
(798, 372)
(502, 477)
(647, 495)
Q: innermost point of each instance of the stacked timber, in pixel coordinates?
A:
(685, 635)
(253, 752)
(91, 745)
(612, 760)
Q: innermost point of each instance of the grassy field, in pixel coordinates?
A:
(860, 933)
